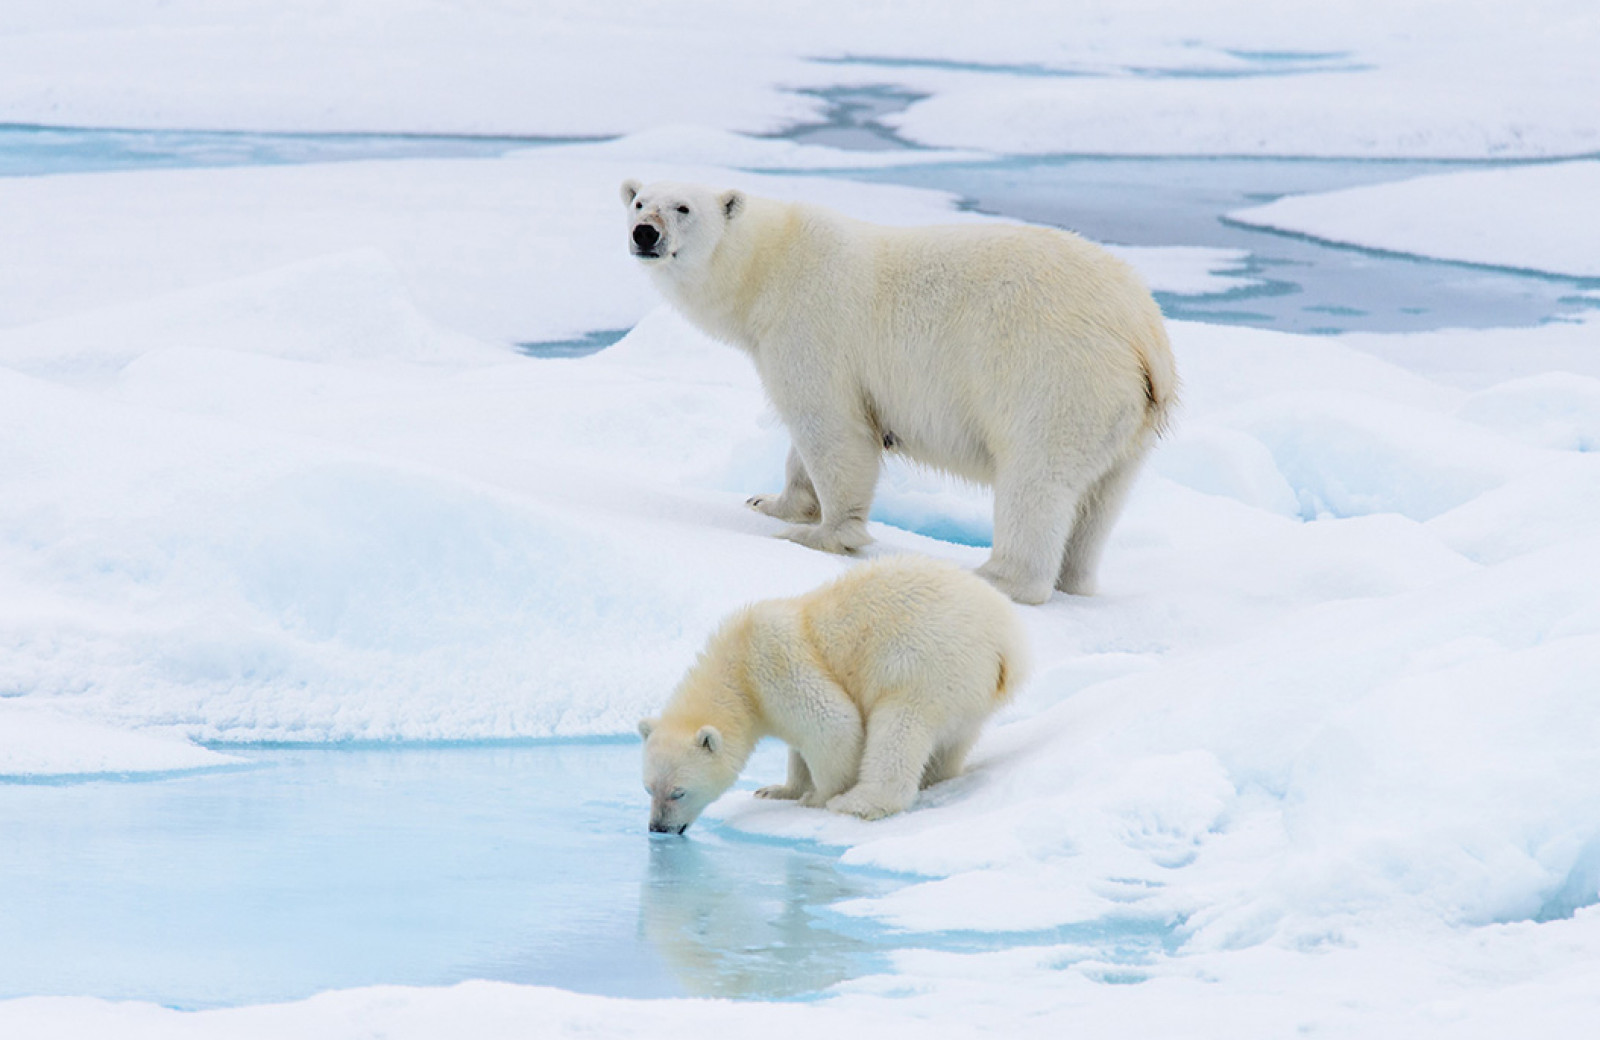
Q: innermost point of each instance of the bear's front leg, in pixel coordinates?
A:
(798, 504)
(842, 455)
(822, 726)
(898, 746)
(833, 754)
(798, 784)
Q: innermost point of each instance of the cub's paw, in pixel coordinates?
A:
(782, 792)
(860, 803)
(783, 507)
(843, 539)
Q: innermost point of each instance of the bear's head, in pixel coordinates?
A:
(677, 225)
(685, 770)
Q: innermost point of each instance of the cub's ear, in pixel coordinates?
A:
(732, 202)
(645, 726)
(709, 738)
(630, 191)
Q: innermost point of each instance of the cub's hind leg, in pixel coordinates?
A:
(946, 761)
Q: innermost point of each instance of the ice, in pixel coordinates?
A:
(697, 145)
(508, 250)
(1018, 77)
(1519, 216)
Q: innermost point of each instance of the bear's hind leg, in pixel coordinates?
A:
(798, 503)
(899, 744)
(1097, 512)
(1032, 514)
(946, 761)
(798, 784)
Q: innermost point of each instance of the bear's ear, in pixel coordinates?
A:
(645, 726)
(630, 191)
(732, 202)
(709, 738)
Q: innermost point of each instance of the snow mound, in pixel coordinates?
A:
(40, 744)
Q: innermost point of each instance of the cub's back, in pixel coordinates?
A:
(906, 620)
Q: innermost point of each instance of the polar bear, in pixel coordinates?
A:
(1022, 358)
(878, 682)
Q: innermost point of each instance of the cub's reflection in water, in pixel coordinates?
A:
(741, 920)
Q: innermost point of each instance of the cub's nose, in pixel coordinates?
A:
(645, 236)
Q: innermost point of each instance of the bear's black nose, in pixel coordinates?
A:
(645, 236)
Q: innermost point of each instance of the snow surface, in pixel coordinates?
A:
(1334, 704)
(1538, 218)
(1367, 77)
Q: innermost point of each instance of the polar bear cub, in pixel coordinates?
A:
(1023, 358)
(878, 682)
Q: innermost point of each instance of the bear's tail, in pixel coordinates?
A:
(1160, 382)
(1002, 687)
(1013, 664)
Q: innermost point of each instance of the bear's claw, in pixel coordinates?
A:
(776, 506)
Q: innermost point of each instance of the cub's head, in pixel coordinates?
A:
(685, 770)
(672, 224)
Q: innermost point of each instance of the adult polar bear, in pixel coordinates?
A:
(1019, 357)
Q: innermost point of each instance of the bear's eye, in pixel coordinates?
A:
(683, 209)
(638, 205)
(677, 793)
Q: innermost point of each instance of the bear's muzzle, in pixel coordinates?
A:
(645, 241)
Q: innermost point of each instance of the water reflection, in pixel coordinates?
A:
(723, 931)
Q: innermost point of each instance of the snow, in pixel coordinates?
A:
(294, 505)
(1527, 217)
(270, 469)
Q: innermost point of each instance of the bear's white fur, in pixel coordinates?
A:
(1023, 358)
(878, 682)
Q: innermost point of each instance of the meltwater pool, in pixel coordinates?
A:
(312, 869)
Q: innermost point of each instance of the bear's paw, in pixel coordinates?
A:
(864, 804)
(843, 538)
